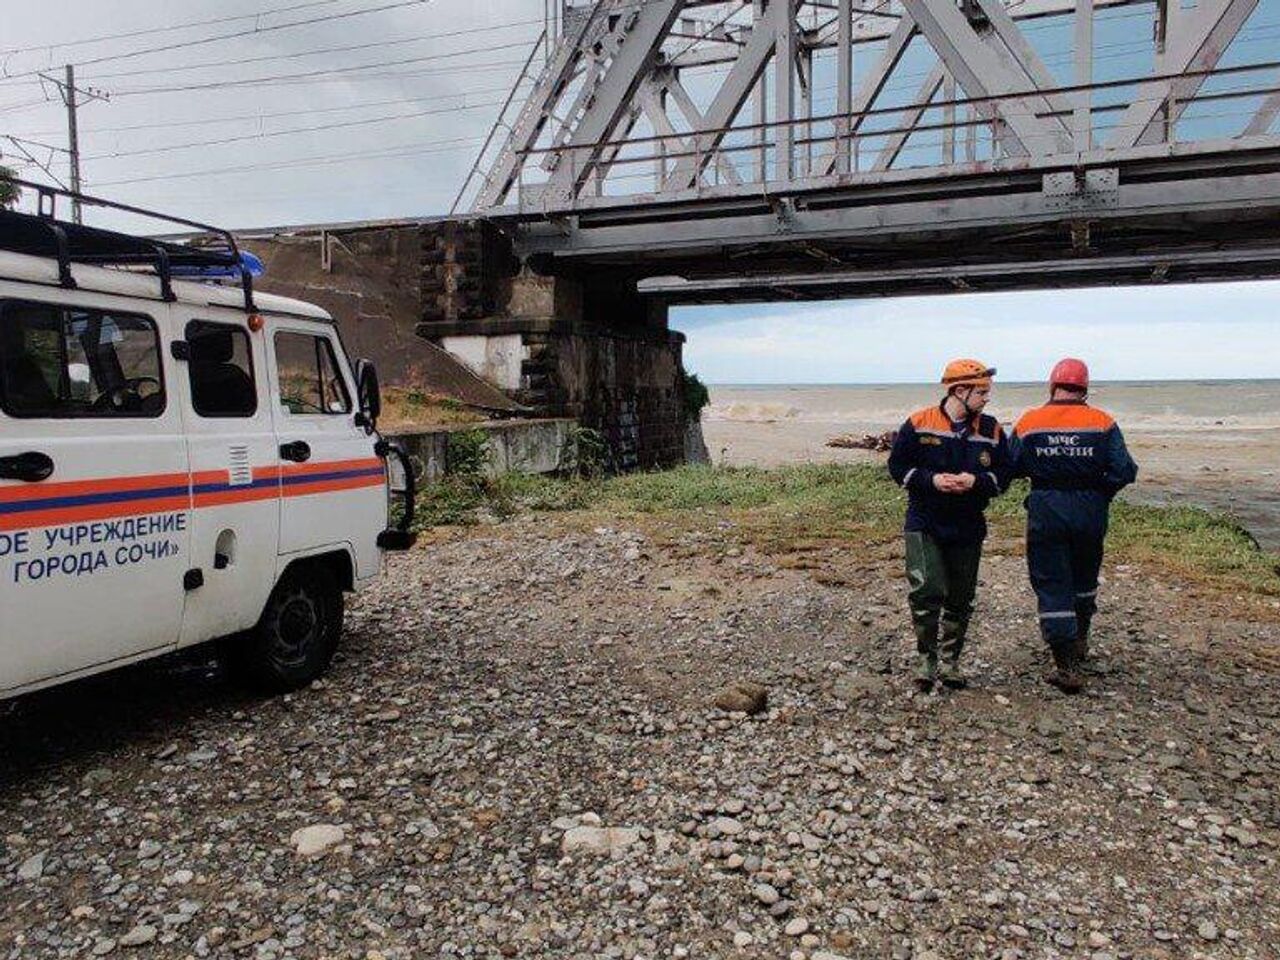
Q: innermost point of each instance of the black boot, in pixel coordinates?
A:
(1065, 675)
(1083, 621)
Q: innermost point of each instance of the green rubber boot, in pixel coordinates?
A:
(951, 675)
(953, 638)
(926, 671)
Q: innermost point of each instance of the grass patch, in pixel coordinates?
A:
(810, 506)
(403, 408)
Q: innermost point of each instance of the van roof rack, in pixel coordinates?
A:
(42, 234)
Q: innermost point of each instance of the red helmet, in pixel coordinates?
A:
(1070, 373)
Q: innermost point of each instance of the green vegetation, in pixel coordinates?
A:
(407, 407)
(10, 192)
(467, 492)
(468, 455)
(696, 396)
(585, 453)
(807, 509)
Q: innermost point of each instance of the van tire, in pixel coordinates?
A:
(298, 632)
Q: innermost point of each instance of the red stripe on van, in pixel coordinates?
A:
(142, 506)
(333, 486)
(247, 495)
(97, 511)
(330, 466)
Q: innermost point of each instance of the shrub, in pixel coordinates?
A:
(696, 396)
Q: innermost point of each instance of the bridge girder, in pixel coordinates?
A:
(636, 147)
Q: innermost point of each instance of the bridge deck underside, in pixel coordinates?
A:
(1170, 219)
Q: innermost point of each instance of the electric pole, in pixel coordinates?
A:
(71, 94)
(73, 139)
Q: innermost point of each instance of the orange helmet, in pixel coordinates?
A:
(967, 373)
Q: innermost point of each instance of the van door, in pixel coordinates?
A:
(94, 489)
(235, 480)
(332, 484)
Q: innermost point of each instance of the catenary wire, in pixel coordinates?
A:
(276, 57)
(409, 149)
(310, 74)
(317, 128)
(151, 31)
(272, 28)
(243, 117)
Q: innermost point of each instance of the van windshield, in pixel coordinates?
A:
(63, 361)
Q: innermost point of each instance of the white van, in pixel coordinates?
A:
(180, 460)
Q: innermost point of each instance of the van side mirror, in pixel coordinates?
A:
(368, 392)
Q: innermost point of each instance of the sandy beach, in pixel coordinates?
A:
(1213, 444)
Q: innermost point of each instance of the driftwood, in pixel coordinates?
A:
(880, 442)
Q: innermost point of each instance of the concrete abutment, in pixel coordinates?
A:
(586, 347)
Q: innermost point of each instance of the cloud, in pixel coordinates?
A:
(416, 184)
(1201, 332)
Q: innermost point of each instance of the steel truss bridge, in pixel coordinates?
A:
(718, 150)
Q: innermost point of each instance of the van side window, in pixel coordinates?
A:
(309, 377)
(60, 361)
(221, 370)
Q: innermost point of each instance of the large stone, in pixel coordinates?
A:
(724, 827)
(766, 893)
(796, 927)
(32, 868)
(316, 840)
(139, 936)
(599, 840)
(742, 696)
(852, 687)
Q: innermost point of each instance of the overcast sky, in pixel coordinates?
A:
(404, 129)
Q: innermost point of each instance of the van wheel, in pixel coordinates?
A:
(295, 640)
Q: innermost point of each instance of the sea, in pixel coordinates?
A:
(1211, 443)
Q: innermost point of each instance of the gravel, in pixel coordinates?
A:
(518, 754)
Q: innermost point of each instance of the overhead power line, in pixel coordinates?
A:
(190, 25)
(408, 150)
(24, 105)
(271, 28)
(242, 117)
(277, 57)
(348, 78)
(329, 71)
(344, 124)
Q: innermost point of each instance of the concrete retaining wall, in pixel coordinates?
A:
(515, 446)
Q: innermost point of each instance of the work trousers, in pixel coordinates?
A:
(1064, 557)
(943, 579)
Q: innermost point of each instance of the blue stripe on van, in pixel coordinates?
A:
(224, 487)
(89, 499)
(338, 475)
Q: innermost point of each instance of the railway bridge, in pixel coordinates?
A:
(659, 152)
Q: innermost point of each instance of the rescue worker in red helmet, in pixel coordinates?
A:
(1076, 459)
(951, 459)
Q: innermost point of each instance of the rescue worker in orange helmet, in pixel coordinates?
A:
(951, 459)
(1076, 458)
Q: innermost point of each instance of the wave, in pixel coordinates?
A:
(743, 411)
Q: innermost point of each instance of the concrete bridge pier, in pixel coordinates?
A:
(587, 347)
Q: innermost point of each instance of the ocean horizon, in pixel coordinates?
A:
(1017, 383)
